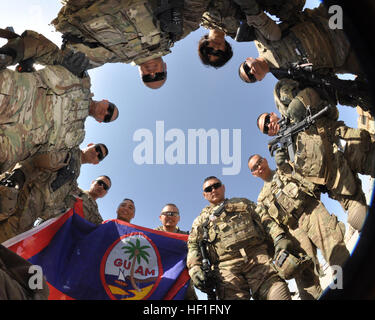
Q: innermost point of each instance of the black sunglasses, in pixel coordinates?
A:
(157, 77)
(215, 186)
(246, 68)
(267, 120)
(103, 184)
(170, 213)
(109, 114)
(99, 152)
(213, 52)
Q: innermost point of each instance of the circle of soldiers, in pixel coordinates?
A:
(237, 249)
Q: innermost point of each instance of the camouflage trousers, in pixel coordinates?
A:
(238, 279)
(318, 229)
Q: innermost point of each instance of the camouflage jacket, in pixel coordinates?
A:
(282, 201)
(235, 230)
(178, 230)
(50, 116)
(90, 207)
(121, 30)
(310, 40)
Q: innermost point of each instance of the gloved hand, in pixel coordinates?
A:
(8, 200)
(76, 62)
(282, 243)
(5, 60)
(281, 156)
(198, 277)
(296, 110)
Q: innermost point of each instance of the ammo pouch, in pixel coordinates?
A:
(169, 14)
(289, 266)
(235, 229)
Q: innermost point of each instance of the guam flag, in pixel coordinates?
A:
(115, 260)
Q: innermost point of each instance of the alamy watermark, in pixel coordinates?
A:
(336, 20)
(192, 147)
(36, 278)
(337, 277)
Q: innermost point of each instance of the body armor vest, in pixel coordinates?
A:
(234, 229)
(130, 32)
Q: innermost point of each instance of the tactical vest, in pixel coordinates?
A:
(70, 99)
(305, 41)
(128, 31)
(284, 197)
(234, 230)
(90, 208)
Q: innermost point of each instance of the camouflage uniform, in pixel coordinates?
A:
(190, 292)
(41, 111)
(319, 155)
(44, 193)
(238, 251)
(226, 15)
(15, 276)
(121, 30)
(310, 40)
(288, 204)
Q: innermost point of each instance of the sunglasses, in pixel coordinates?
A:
(170, 214)
(267, 120)
(257, 165)
(99, 152)
(214, 186)
(213, 52)
(109, 114)
(246, 68)
(158, 76)
(103, 184)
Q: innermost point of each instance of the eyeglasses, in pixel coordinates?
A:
(213, 52)
(158, 76)
(247, 71)
(267, 120)
(99, 152)
(109, 114)
(103, 184)
(257, 165)
(170, 214)
(214, 186)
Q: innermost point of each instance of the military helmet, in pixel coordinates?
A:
(289, 265)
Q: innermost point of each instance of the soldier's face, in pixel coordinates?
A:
(270, 121)
(94, 153)
(169, 220)
(100, 187)
(153, 73)
(126, 211)
(258, 166)
(252, 68)
(215, 196)
(104, 111)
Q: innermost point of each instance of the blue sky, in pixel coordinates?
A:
(194, 97)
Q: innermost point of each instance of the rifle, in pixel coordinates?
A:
(210, 287)
(347, 92)
(284, 138)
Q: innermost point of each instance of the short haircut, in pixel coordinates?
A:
(259, 118)
(171, 204)
(210, 178)
(252, 156)
(203, 55)
(106, 178)
(126, 199)
(240, 75)
(110, 104)
(105, 148)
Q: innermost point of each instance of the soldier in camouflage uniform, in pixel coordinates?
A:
(289, 208)
(238, 251)
(45, 111)
(126, 210)
(309, 40)
(39, 187)
(126, 31)
(169, 217)
(328, 153)
(223, 18)
(15, 277)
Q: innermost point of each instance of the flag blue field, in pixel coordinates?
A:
(115, 260)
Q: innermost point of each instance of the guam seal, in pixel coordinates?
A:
(131, 268)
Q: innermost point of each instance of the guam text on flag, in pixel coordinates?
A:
(115, 260)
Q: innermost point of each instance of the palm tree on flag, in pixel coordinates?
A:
(136, 252)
